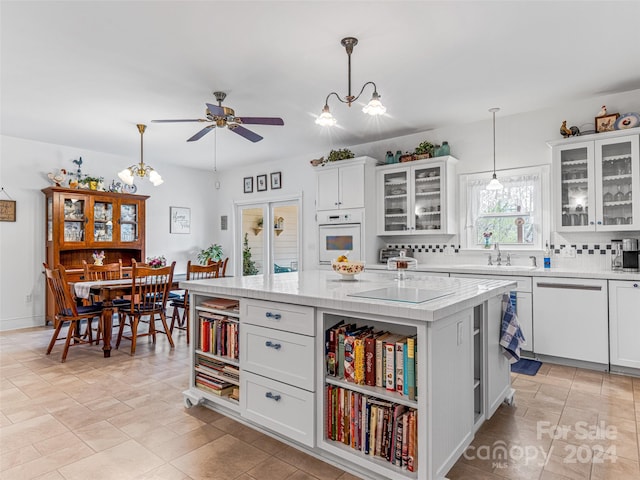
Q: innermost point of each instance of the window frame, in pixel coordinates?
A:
(542, 204)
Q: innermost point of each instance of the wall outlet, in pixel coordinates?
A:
(568, 252)
(28, 298)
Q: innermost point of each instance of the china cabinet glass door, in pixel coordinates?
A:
(396, 200)
(128, 222)
(427, 197)
(75, 219)
(49, 219)
(576, 174)
(617, 176)
(103, 221)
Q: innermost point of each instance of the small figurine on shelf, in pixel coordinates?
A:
(98, 257)
(59, 177)
(487, 239)
(564, 130)
(602, 112)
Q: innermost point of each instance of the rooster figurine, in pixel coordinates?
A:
(564, 130)
(317, 161)
(59, 177)
(602, 112)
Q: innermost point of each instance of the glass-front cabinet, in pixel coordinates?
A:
(417, 197)
(597, 184)
(103, 221)
(129, 222)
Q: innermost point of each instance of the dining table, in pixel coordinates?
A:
(108, 291)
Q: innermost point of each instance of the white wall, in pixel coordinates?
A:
(520, 141)
(24, 166)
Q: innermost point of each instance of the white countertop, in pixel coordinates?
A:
(521, 272)
(326, 289)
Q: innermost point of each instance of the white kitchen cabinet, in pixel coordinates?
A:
(417, 197)
(624, 324)
(597, 182)
(570, 319)
(341, 185)
(523, 302)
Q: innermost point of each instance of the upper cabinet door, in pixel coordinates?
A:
(618, 176)
(574, 171)
(327, 186)
(394, 213)
(103, 222)
(427, 193)
(75, 209)
(340, 187)
(131, 222)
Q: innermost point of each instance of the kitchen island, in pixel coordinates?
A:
(269, 336)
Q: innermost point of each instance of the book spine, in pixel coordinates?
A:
(405, 440)
(370, 361)
(367, 426)
(397, 454)
(390, 374)
(380, 432)
(379, 368)
(373, 429)
(340, 360)
(359, 361)
(400, 366)
(411, 369)
(349, 359)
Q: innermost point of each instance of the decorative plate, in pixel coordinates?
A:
(129, 188)
(628, 120)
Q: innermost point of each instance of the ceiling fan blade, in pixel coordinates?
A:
(215, 109)
(183, 120)
(260, 120)
(243, 132)
(201, 133)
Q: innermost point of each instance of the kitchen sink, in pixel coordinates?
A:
(520, 268)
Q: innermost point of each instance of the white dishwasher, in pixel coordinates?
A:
(571, 318)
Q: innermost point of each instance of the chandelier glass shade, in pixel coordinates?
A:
(494, 184)
(140, 169)
(374, 107)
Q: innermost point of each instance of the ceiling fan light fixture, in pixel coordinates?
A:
(325, 119)
(494, 184)
(374, 107)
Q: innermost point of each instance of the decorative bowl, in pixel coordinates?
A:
(348, 270)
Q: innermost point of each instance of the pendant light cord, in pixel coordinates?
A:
(494, 142)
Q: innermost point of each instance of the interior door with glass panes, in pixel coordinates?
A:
(427, 188)
(396, 201)
(618, 179)
(574, 169)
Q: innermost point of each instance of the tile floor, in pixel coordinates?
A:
(123, 418)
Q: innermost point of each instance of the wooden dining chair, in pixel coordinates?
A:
(194, 272)
(67, 312)
(109, 271)
(149, 294)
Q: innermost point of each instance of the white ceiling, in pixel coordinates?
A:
(83, 73)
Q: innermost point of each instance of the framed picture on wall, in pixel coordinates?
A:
(261, 183)
(180, 220)
(276, 180)
(248, 184)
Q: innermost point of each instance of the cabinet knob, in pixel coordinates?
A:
(275, 316)
(272, 396)
(591, 223)
(270, 344)
(599, 222)
(635, 285)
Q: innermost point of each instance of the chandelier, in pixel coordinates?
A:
(140, 169)
(374, 107)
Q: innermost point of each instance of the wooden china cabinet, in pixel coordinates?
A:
(79, 222)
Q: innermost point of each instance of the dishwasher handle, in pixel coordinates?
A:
(568, 286)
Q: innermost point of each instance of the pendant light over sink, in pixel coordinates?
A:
(494, 184)
(374, 107)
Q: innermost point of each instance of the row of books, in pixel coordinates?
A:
(373, 426)
(213, 384)
(219, 335)
(361, 355)
(218, 369)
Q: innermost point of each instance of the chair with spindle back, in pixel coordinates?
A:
(194, 272)
(109, 271)
(67, 311)
(149, 293)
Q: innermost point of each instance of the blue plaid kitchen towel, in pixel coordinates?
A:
(511, 338)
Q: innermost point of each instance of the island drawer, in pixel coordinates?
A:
(282, 408)
(283, 316)
(524, 283)
(288, 357)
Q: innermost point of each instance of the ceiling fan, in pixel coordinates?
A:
(220, 116)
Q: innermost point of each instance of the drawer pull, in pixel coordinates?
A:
(270, 344)
(272, 396)
(275, 316)
(570, 286)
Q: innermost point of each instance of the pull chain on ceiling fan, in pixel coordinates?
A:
(221, 116)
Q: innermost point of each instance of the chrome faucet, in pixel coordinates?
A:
(508, 259)
(499, 257)
(489, 261)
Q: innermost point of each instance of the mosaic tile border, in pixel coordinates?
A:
(581, 249)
